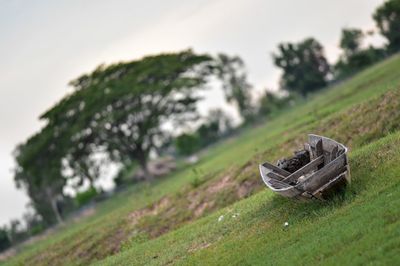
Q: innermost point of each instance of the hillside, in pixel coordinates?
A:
(219, 212)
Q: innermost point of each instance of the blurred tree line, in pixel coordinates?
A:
(115, 115)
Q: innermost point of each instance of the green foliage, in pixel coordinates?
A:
(231, 71)
(351, 41)
(387, 18)
(208, 132)
(270, 103)
(215, 125)
(38, 171)
(4, 239)
(120, 108)
(114, 113)
(187, 144)
(33, 222)
(196, 182)
(125, 175)
(305, 68)
(86, 196)
(354, 58)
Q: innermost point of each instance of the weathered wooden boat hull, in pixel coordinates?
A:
(327, 170)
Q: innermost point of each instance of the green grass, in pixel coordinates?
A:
(357, 227)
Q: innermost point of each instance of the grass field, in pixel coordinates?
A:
(219, 212)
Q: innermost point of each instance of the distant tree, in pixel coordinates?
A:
(387, 18)
(351, 41)
(305, 68)
(15, 232)
(4, 239)
(38, 171)
(33, 222)
(231, 71)
(187, 143)
(120, 108)
(210, 130)
(354, 57)
(216, 124)
(270, 102)
(217, 116)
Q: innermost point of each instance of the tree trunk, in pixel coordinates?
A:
(56, 211)
(143, 164)
(54, 207)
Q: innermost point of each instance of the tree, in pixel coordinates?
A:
(38, 171)
(271, 102)
(350, 41)
(84, 163)
(231, 71)
(216, 124)
(187, 143)
(219, 117)
(305, 68)
(120, 108)
(387, 18)
(4, 239)
(354, 57)
(33, 221)
(15, 232)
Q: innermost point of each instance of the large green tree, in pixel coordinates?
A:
(120, 109)
(387, 18)
(305, 68)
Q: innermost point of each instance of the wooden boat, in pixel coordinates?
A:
(327, 171)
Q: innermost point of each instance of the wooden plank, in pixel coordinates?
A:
(276, 169)
(312, 153)
(319, 151)
(305, 169)
(341, 178)
(291, 193)
(334, 153)
(275, 176)
(318, 148)
(307, 147)
(322, 176)
(278, 184)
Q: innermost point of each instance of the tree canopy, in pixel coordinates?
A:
(351, 40)
(355, 57)
(387, 18)
(38, 171)
(305, 68)
(119, 109)
(231, 71)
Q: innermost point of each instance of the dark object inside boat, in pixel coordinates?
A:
(296, 162)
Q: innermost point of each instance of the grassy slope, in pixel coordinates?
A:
(361, 227)
(357, 112)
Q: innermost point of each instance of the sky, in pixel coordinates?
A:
(44, 44)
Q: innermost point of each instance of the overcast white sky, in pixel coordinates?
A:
(44, 44)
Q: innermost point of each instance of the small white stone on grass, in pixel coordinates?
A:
(220, 218)
(286, 224)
